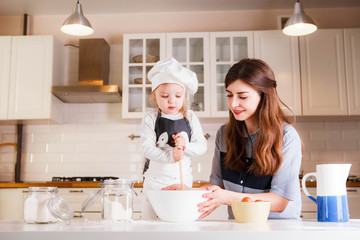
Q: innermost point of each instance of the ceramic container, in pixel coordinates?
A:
(177, 206)
(251, 212)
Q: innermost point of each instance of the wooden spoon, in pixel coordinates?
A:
(181, 176)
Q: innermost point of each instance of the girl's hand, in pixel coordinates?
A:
(178, 154)
(217, 197)
(179, 141)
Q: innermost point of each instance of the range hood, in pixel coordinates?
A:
(93, 83)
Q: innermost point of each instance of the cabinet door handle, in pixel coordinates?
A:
(76, 191)
(351, 190)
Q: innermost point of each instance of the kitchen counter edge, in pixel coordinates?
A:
(96, 184)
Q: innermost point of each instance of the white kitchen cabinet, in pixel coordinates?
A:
(323, 73)
(226, 48)
(353, 195)
(11, 203)
(35, 63)
(5, 46)
(352, 63)
(281, 52)
(192, 51)
(200, 52)
(308, 208)
(136, 92)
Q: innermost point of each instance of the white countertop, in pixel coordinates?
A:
(209, 230)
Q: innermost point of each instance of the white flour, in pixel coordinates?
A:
(114, 210)
(35, 208)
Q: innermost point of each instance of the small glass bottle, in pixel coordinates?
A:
(117, 200)
(36, 205)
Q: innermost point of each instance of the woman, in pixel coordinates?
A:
(258, 153)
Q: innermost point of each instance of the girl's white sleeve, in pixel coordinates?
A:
(198, 144)
(148, 141)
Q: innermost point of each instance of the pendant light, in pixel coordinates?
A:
(77, 24)
(299, 24)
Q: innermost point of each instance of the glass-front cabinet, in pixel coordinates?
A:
(226, 49)
(209, 55)
(192, 51)
(141, 52)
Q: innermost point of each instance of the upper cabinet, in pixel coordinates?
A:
(323, 73)
(316, 74)
(192, 51)
(141, 52)
(200, 52)
(30, 65)
(5, 47)
(226, 48)
(352, 63)
(281, 52)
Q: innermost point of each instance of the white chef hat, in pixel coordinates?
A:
(171, 71)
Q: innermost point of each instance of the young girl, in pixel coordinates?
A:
(257, 153)
(170, 133)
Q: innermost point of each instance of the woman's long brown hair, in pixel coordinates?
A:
(268, 148)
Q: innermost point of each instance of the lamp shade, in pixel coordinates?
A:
(77, 24)
(299, 24)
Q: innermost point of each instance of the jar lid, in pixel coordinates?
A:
(120, 181)
(60, 209)
(89, 201)
(43, 189)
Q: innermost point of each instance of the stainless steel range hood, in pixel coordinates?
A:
(93, 85)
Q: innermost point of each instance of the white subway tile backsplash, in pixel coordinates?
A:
(46, 137)
(325, 135)
(9, 137)
(341, 126)
(351, 134)
(95, 141)
(344, 145)
(314, 145)
(7, 157)
(319, 157)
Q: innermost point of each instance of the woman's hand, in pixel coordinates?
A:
(178, 154)
(216, 198)
(176, 187)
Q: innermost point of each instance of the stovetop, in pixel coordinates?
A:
(81, 179)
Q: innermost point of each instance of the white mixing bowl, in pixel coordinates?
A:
(177, 206)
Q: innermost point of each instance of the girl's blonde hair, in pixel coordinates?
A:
(268, 148)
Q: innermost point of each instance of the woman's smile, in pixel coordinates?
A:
(238, 112)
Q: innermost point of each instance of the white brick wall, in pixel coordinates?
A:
(95, 142)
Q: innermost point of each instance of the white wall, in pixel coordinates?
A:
(96, 143)
(94, 139)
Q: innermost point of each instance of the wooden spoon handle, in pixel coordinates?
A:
(181, 176)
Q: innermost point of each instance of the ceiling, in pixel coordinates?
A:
(64, 7)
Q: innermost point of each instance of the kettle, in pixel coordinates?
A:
(331, 200)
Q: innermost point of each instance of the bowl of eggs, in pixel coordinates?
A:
(176, 206)
(249, 211)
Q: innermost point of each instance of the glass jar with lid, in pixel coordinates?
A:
(42, 205)
(117, 196)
